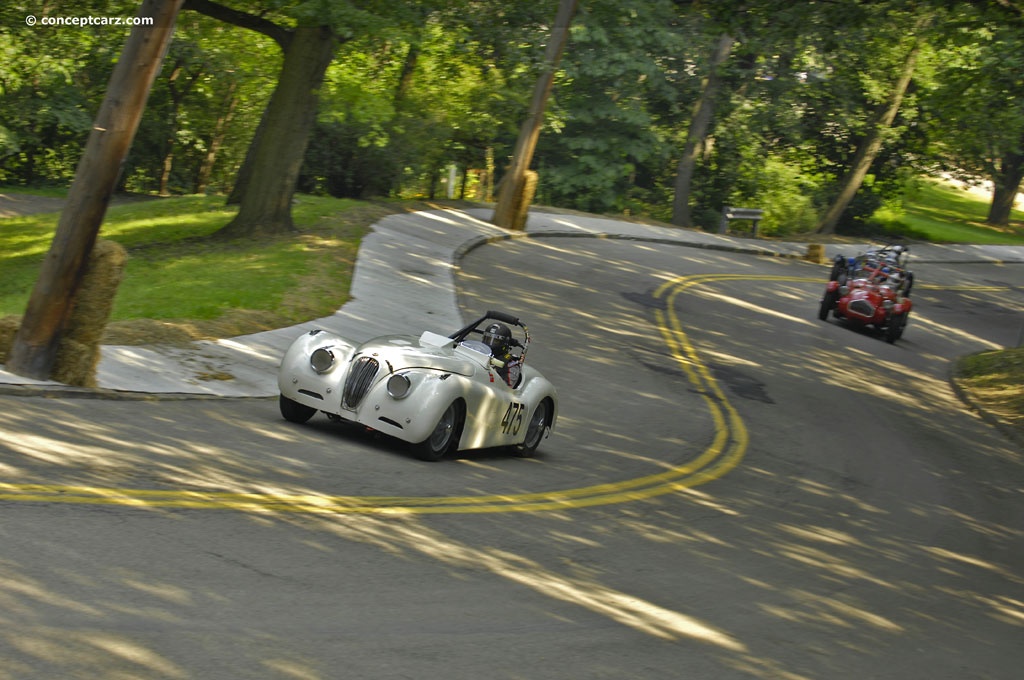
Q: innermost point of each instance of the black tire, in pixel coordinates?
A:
(894, 329)
(443, 437)
(827, 303)
(539, 422)
(293, 411)
(908, 284)
(838, 267)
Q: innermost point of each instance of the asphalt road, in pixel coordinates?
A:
(734, 490)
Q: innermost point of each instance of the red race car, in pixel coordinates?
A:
(871, 290)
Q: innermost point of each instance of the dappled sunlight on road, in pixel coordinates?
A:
(828, 548)
(631, 611)
(956, 334)
(750, 306)
(889, 380)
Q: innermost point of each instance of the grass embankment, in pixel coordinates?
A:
(941, 213)
(181, 284)
(995, 381)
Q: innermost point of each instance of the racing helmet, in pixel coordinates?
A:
(498, 337)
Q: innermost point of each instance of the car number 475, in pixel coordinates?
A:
(513, 418)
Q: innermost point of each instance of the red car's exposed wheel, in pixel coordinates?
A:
(827, 303)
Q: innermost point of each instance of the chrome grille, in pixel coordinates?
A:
(861, 307)
(359, 380)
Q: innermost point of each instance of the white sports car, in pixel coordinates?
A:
(439, 393)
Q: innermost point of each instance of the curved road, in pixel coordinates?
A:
(734, 490)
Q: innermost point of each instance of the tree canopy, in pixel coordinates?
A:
(401, 92)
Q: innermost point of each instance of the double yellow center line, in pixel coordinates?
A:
(724, 453)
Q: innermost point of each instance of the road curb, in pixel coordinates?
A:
(472, 244)
(59, 391)
(967, 398)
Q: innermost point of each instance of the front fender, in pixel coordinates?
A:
(296, 378)
(903, 306)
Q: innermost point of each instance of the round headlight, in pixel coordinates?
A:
(322, 359)
(398, 385)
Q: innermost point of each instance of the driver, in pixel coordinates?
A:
(498, 337)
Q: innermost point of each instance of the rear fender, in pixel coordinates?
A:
(535, 390)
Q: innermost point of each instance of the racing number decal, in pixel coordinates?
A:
(513, 418)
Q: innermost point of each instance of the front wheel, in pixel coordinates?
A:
(894, 329)
(827, 303)
(443, 436)
(293, 411)
(540, 422)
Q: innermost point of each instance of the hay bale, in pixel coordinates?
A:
(816, 253)
(525, 199)
(76, 363)
(8, 329)
(78, 353)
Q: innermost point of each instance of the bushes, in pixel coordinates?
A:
(786, 196)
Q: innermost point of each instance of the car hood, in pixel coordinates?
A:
(400, 352)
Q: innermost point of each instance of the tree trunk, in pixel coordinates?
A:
(244, 173)
(177, 95)
(512, 187)
(1004, 189)
(35, 346)
(278, 149)
(216, 140)
(703, 112)
(405, 80)
(869, 147)
(284, 39)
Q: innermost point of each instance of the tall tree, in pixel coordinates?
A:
(700, 122)
(510, 209)
(272, 165)
(976, 114)
(871, 143)
(622, 92)
(180, 81)
(35, 345)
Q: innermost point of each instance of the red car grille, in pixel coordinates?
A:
(861, 308)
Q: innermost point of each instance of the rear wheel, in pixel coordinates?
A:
(293, 411)
(838, 267)
(908, 284)
(540, 422)
(444, 435)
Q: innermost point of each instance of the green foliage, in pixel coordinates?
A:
(417, 86)
(51, 81)
(401, 104)
(616, 107)
(976, 112)
(784, 193)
